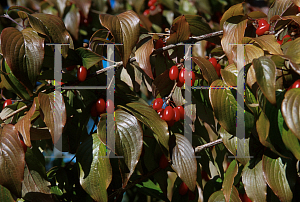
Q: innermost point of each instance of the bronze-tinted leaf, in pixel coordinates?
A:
(60, 5)
(180, 31)
(208, 70)
(128, 136)
(142, 55)
(290, 109)
(291, 142)
(269, 43)
(293, 51)
(12, 159)
(234, 10)
(125, 28)
(95, 168)
(233, 34)
(162, 85)
(5, 195)
(265, 72)
(279, 7)
(53, 107)
(218, 196)
(72, 21)
(254, 183)
(184, 161)
(275, 175)
(23, 125)
(84, 6)
(24, 54)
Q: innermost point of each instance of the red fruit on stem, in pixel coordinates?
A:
(159, 44)
(181, 111)
(183, 189)
(171, 123)
(176, 114)
(7, 102)
(181, 76)
(161, 114)
(151, 3)
(152, 8)
(179, 84)
(71, 67)
(163, 162)
(173, 73)
(24, 146)
(81, 73)
(168, 113)
(262, 22)
(192, 196)
(182, 79)
(213, 61)
(160, 111)
(261, 30)
(110, 106)
(157, 104)
(296, 84)
(146, 12)
(218, 69)
(101, 106)
(94, 112)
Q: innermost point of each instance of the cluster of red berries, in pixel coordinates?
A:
(216, 65)
(169, 114)
(152, 4)
(174, 74)
(263, 26)
(286, 36)
(101, 106)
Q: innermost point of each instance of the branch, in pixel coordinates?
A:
(15, 112)
(191, 40)
(210, 144)
(132, 184)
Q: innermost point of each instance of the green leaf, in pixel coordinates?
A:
(54, 113)
(150, 118)
(269, 43)
(5, 195)
(128, 140)
(89, 58)
(24, 54)
(151, 189)
(180, 31)
(51, 26)
(293, 52)
(229, 75)
(290, 109)
(12, 159)
(184, 161)
(95, 168)
(218, 196)
(125, 28)
(232, 34)
(235, 146)
(275, 175)
(265, 72)
(208, 70)
(72, 21)
(234, 10)
(231, 172)
(254, 183)
(252, 52)
(291, 142)
(142, 56)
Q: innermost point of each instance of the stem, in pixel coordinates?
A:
(210, 144)
(8, 17)
(132, 184)
(15, 112)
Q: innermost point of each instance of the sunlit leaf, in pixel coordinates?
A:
(89, 58)
(218, 196)
(231, 172)
(180, 31)
(291, 142)
(208, 70)
(72, 21)
(279, 7)
(142, 55)
(293, 52)
(234, 10)
(269, 43)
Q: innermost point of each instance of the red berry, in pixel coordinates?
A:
(157, 104)
(181, 111)
(24, 146)
(193, 78)
(213, 61)
(296, 84)
(176, 114)
(160, 111)
(110, 106)
(94, 112)
(299, 9)
(159, 44)
(244, 198)
(287, 36)
(81, 73)
(7, 102)
(168, 113)
(171, 123)
(101, 106)
(71, 67)
(151, 3)
(192, 196)
(183, 189)
(161, 114)
(262, 22)
(163, 162)
(173, 73)
(279, 41)
(179, 84)
(181, 77)
(152, 8)
(261, 30)
(146, 12)
(218, 69)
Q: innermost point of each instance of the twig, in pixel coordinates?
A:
(164, 34)
(8, 17)
(15, 112)
(210, 144)
(132, 184)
